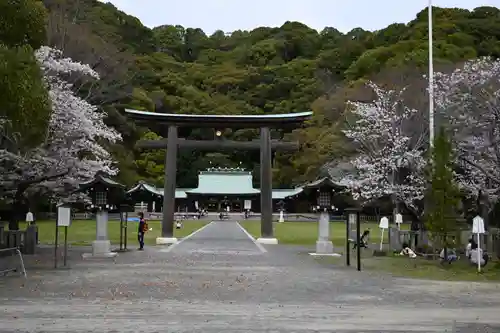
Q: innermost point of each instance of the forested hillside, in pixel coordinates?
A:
(292, 68)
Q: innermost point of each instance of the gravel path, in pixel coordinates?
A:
(219, 280)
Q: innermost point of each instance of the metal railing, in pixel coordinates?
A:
(5, 270)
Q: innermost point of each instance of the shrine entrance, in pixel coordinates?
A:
(213, 205)
(219, 123)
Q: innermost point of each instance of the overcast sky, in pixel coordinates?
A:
(230, 15)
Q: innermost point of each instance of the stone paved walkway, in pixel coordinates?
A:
(219, 238)
(220, 281)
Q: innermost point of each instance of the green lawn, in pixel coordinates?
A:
(420, 268)
(306, 233)
(82, 232)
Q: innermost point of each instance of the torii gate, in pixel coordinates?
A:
(218, 123)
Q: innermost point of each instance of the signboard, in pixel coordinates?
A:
(399, 218)
(63, 216)
(248, 204)
(29, 217)
(352, 219)
(352, 223)
(384, 223)
(478, 228)
(478, 225)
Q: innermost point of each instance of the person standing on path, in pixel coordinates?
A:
(143, 227)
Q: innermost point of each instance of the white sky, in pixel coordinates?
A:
(230, 15)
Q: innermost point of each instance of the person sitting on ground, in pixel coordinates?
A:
(469, 246)
(363, 240)
(407, 251)
(451, 255)
(474, 254)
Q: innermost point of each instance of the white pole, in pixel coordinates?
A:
(478, 253)
(382, 238)
(431, 80)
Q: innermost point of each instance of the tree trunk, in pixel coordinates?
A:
(17, 207)
(445, 249)
(484, 208)
(16, 211)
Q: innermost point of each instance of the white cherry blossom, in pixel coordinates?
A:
(390, 159)
(468, 99)
(73, 150)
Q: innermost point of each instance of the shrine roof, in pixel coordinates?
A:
(225, 181)
(101, 178)
(286, 193)
(325, 181)
(221, 121)
(219, 181)
(180, 193)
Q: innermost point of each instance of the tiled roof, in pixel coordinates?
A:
(180, 193)
(225, 181)
(220, 181)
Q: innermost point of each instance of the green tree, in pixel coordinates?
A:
(24, 102)
(23, 22)
(265, 70)
(151, 163)
(443, 196)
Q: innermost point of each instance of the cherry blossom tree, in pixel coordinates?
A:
(469, 103)
(390, 161)
(73, 150)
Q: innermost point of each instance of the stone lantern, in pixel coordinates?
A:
(104, 193)
(322, 190)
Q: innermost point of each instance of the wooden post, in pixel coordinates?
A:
(167, 224)
(266, 180)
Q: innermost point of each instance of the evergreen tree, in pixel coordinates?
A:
(443, 195)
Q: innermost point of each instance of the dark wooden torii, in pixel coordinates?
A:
(173, 143)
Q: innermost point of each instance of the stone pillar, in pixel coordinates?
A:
(167, 223)
(101, 247)
(324, 245)
(266, 183)
(394, 235)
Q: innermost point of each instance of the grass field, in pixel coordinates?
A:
(306, 233)
(420, 268)
(82, 232)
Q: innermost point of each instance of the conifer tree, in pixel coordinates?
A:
(443, 195)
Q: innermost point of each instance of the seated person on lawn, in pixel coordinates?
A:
(363, 240)
(407, 251)
(469, 246)
(474, 255)
(451, 255)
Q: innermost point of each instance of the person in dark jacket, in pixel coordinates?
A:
(141, 231)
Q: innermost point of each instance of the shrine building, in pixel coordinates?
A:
(220, 188)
